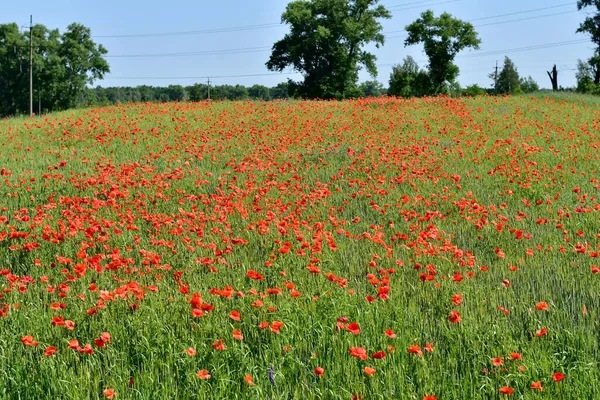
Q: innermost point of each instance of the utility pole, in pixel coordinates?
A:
(208, 88)
(31, 65)
(39, 94)
(496, 79)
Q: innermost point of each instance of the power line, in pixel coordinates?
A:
(526, 19)
(511, 50)
(246, 27)
(194, 53)
(523, 12)
(260, 49)
(527, 48)
(409, 4)
(200, 32)
(495, 52)
(425, 5)
(204, 77)
(505, 15)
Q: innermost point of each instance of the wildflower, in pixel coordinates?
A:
(203, 374)
(359, 352)
(558, 376)
(369, 371)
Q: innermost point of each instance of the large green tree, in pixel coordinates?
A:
(63, 64)
(326, 43)
(443, 38)
(591, 26)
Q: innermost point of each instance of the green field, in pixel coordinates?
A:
(273, 238)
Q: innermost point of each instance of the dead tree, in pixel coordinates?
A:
(553, 78)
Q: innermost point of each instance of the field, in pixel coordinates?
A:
(369, 249)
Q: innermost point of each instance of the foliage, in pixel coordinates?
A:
(63, 64)
(371, 89)
(197, 92)
(508, 79)
(326, 43)
(408, 80)
(280, 91)
(591, 26)
(259, 92)
(585, 75)
(473, 90)
(528, 85)
(442, 38)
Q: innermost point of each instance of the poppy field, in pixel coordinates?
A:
(370, 249)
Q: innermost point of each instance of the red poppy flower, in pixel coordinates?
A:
(457, 299)
(50, 350)
(203, 374)
(319, 371)
(359, 352)
(218, 345)
(415, 349)
(190, 351)
(379, 355)
(28, 341)
(234, 315)
(248, 379)
(558, 376)
(353, 328)
(537, 386)
(369, 371)
(276, 326)
(506, 390)
(390, 333)
(109, 393)
(454, 317)
(541, 332)
(237, 334)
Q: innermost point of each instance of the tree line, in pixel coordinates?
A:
(327, 42)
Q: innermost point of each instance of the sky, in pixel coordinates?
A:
(231, 39)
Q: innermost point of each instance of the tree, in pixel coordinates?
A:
(326, 44)
(553, 78)
(591, 25)
(473, 91)
(408, 80)
(528, 85)
(508, 79)
(197, 92)
(280, 91)
(62, 67)
(259, 92)
(585, 78)
(443, 38)
(371, 89)
(82, 61)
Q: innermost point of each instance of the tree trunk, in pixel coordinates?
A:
(553, 78)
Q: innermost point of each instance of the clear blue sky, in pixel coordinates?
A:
(111, 17)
